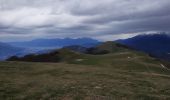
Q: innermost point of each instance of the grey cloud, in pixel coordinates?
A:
(76, 18)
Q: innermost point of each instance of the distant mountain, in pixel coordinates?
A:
(40, 46)
(70, 53)
(7, 50)
(56, 43)
(157, 45)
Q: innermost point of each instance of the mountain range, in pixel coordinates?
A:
(157, 45)
(109, 67)
(55, 43)
(40, 46)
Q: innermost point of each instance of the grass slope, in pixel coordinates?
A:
(122, 75)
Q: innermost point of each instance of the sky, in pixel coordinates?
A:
(98, 19)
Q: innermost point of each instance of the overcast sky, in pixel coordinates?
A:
(100, 19)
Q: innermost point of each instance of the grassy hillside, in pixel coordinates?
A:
(122, 74)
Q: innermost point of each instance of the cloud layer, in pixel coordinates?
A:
(82, 18)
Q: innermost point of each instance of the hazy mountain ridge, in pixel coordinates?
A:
(40, 46)
(7, 50)
(56, 43)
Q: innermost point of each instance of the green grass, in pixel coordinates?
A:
(127, 75)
